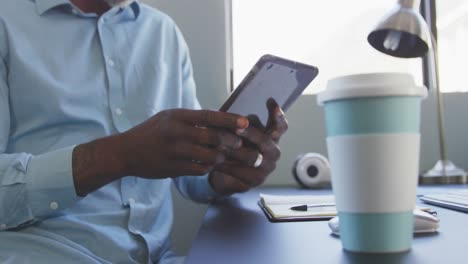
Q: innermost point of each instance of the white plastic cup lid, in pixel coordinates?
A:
(371, 85)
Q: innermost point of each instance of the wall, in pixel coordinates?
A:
(203, 24)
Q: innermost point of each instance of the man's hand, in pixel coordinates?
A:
(181, 142)
(172, 143)
(238, 173)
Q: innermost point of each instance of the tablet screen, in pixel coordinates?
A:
(271, 77)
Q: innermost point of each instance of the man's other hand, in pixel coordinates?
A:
(242, 169)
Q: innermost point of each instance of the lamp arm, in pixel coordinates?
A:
(409, 3)
(435, 81)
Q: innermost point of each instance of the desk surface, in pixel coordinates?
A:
(236, 231)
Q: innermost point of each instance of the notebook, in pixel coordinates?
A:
(277, 208)
(457, 199)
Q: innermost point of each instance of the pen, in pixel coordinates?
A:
(305, 206)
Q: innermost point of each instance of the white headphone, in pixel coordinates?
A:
(312, 170)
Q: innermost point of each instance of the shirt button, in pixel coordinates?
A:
(118, 111)
(2, 226)
(54, 205)
(111, 62)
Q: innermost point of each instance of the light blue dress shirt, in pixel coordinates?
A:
(66, 78)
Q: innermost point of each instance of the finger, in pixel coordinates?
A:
(233, 185)
(255, 121)
(186, 167)
(208, 118)
(233, 167)
(248, 156)
(247, 175)
(263, 142)
(277, 123)
(189, 151)
(221, 139)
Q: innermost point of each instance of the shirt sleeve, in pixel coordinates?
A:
(32, 187)
(189, 95)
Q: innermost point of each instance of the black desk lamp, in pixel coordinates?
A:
(404, 33)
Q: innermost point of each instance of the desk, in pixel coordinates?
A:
(236, 231)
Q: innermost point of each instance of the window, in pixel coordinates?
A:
(452, 36)
(331, 35)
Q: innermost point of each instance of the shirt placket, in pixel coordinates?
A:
(114, 69)
(113, 65)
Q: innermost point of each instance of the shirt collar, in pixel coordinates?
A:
(135, 6)
(45, 5)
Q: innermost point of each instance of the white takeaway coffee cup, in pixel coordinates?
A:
(373, 142)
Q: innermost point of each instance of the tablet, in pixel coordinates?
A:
(271, 77)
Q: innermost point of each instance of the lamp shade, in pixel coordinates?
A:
(402, 33)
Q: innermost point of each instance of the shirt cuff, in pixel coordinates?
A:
(50, 184)
(196, 188)
(211, 194)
